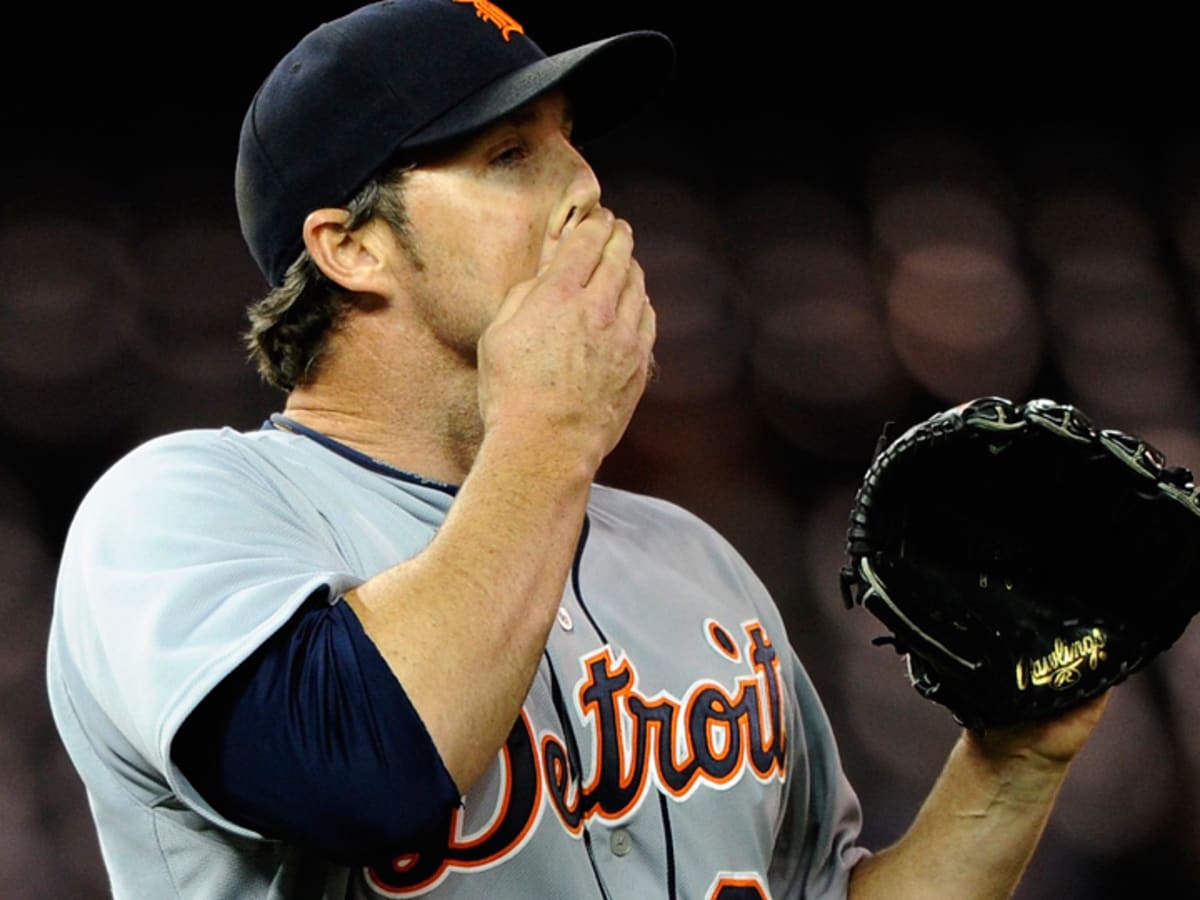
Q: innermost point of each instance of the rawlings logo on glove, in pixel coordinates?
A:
(1061, 668)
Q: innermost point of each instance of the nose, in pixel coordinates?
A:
(580, 196)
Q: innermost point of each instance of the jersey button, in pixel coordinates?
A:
(620, 842)
(564, 619)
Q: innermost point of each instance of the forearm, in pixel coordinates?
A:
(560, 369)
(975, 833)
(462, 625)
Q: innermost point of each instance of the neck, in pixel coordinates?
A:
(419, 414)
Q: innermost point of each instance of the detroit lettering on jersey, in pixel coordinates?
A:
(709, 738)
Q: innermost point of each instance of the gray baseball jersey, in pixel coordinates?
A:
(705, 766)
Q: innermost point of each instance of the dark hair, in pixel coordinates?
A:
(290, 326)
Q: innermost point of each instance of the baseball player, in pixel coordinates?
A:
(397, 642)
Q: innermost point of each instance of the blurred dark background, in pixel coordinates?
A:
(846, 218)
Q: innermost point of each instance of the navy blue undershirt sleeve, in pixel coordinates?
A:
(313, 741)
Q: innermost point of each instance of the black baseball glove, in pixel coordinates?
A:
(1022, 559)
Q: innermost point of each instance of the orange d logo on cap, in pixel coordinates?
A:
(490, 12)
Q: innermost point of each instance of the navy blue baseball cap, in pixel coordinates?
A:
(359, 91)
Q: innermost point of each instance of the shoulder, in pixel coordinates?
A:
(200, 476)
(185, 458)
(626, 507)
(200, 456)
(654, 523)
(671, 534)
(216, 447)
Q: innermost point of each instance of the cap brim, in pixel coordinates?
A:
(608, 81)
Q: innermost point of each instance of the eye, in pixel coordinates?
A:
(510, 155)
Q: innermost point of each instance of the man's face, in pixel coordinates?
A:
(490, 215)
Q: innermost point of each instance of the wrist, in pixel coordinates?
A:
(552, 456)
(553, 448)
(1011, 771)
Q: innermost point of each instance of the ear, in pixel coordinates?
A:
(353, 259)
